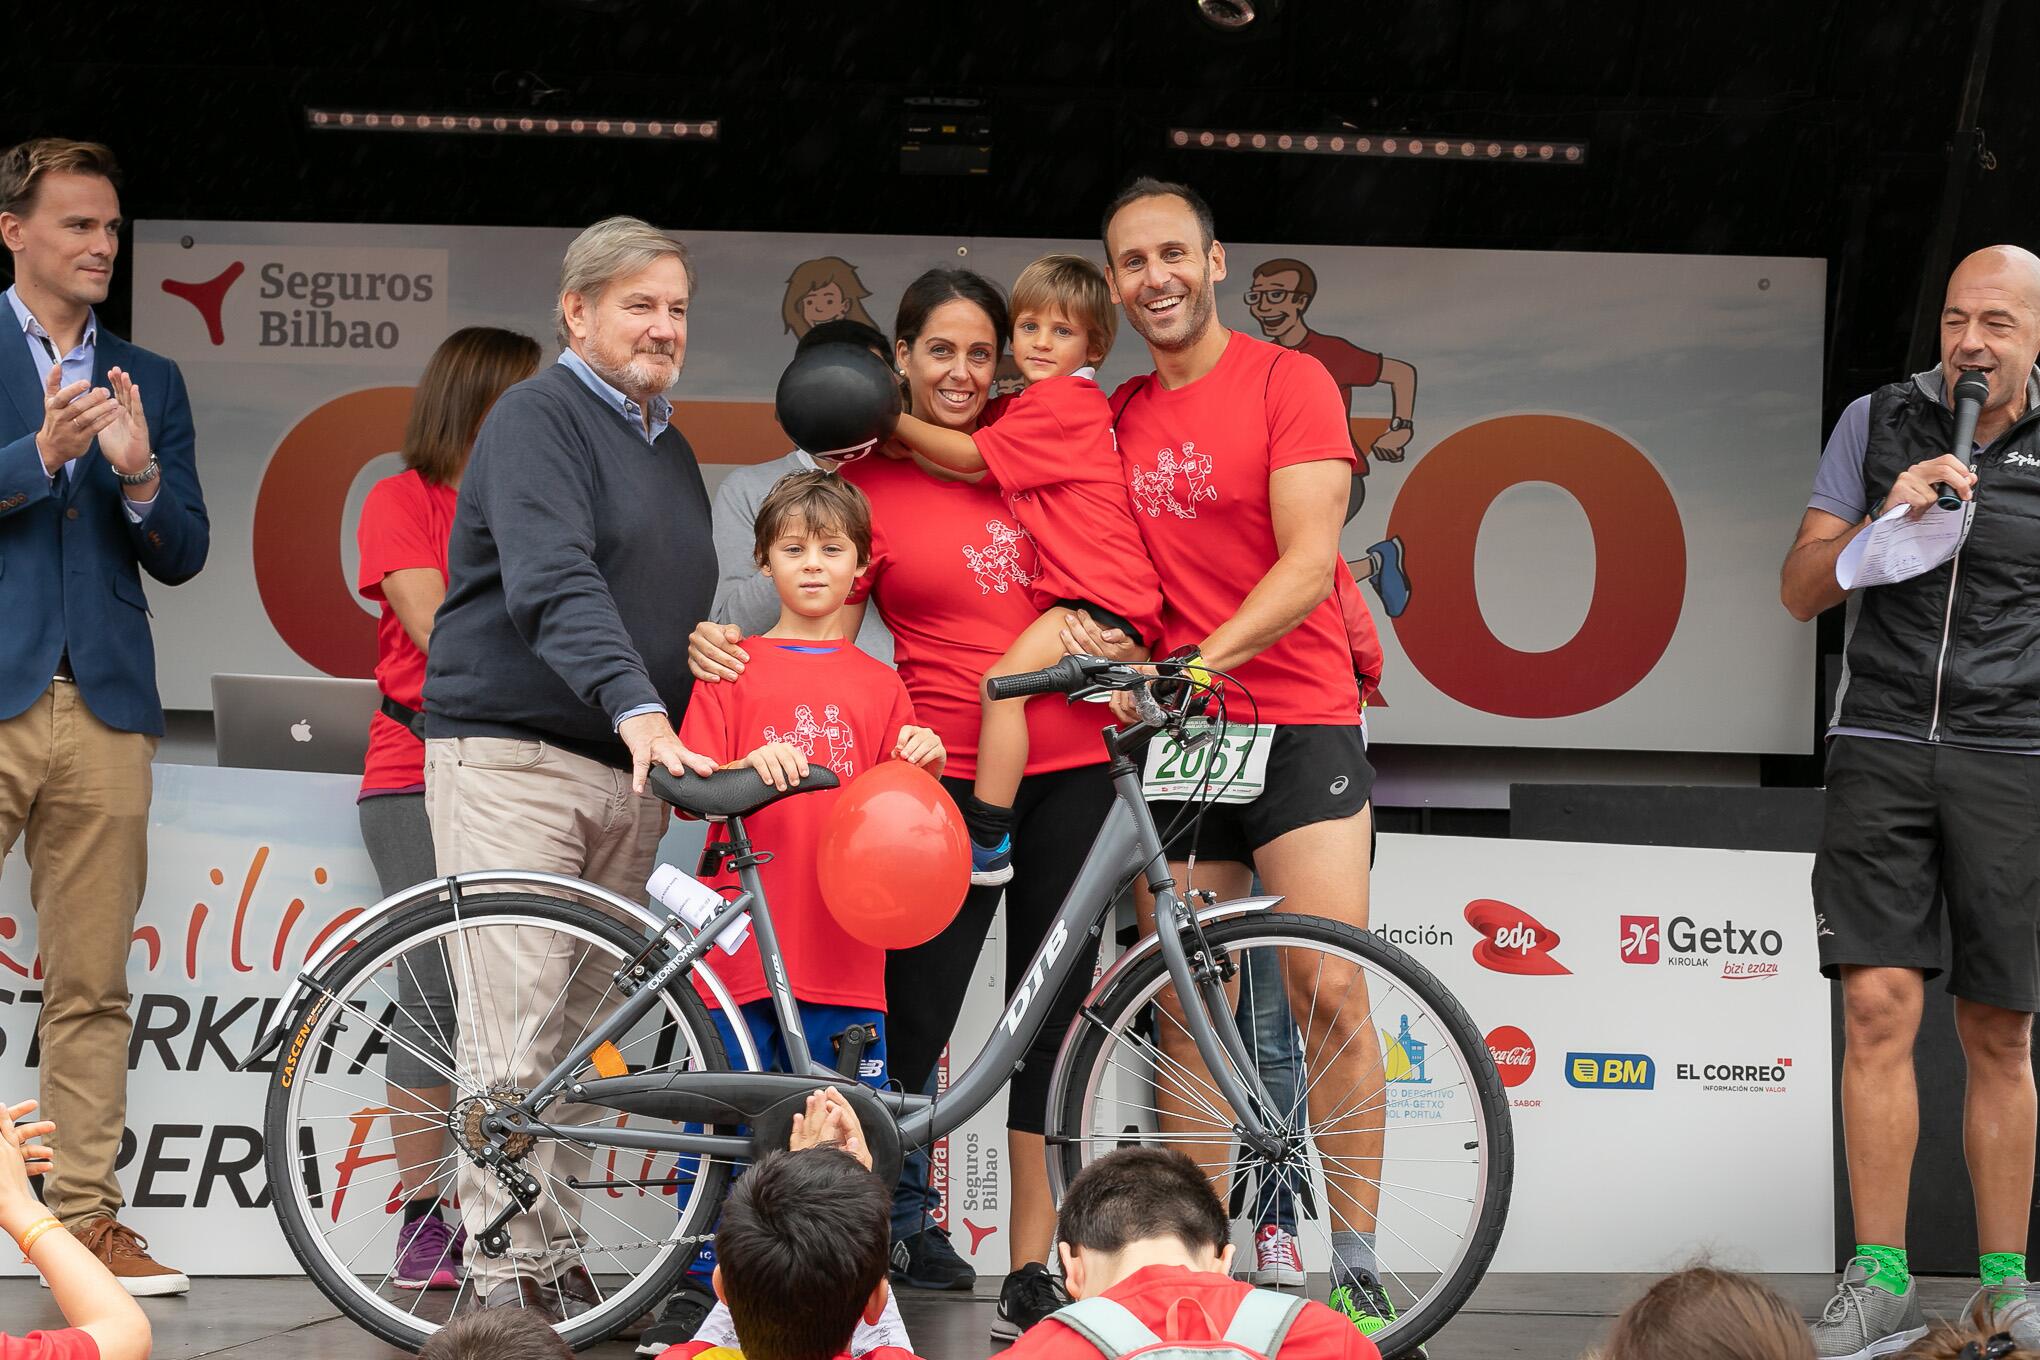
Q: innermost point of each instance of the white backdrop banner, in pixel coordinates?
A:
(1656, 1012)
(1577, 545)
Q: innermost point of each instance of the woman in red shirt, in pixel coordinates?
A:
(405, 523)
(949, 574)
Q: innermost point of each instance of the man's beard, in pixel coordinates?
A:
(1197, 308)
(642, 377)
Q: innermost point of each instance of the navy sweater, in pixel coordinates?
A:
(581, 559)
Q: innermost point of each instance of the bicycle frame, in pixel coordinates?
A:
(1128, 842)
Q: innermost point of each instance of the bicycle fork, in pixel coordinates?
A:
(1200, 983)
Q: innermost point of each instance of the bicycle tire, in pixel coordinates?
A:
(647, 1290)
(1132, 993)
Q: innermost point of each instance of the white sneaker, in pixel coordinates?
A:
(1276, 1259)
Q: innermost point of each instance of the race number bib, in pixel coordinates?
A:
(1228, 767)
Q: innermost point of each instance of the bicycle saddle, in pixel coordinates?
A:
(732, 793)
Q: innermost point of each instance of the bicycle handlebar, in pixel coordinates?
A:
(1070, 673)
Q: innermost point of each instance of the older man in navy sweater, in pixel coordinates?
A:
(580, 558)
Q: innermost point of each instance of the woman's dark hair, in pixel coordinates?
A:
(463, 378)
(496, 1334)
(804, 1240)
(938, 286)
(1137, 1193)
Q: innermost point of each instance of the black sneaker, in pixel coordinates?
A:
(1028, 1295)
(679, 1320)
(927, 1261)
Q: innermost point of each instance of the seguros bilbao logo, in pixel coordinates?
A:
(1515, 1056)
(1610, 1071)
(289, 303)
(1512, 940)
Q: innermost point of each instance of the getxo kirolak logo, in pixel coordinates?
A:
(1682, 942)
(1512, 940)
(1640, 939)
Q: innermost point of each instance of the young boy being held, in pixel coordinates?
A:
(1143, 1228)
(1050, 448)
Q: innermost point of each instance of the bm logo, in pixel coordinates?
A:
(1610, 1071)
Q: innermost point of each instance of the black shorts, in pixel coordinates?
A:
(1315, 774)
(1908, 826)
(1104, 618)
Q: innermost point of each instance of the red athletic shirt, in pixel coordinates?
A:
(1195, 1298)
(843, 710)
(1360, 634)
(405, 524)
(1050, 449)
(71, 1343)
(949, 574)
(1350, 367)
(1197, 462)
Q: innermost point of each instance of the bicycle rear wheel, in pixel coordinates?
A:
(337, 1168)
(1397, 1123)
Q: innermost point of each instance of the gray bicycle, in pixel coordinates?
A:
(617, 1114)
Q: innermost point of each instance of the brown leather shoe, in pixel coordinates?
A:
(524, 1292)
(125, 1254)
(576, 1291)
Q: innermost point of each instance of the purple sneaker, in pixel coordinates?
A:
(429, 1255)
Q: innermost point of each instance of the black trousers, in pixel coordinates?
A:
(1055, 818)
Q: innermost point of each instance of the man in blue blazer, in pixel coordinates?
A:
(97, 484)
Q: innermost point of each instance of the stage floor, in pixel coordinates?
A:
(1544, 1317)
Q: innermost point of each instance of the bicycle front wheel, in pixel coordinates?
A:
(1392, 1114)
(530, 978)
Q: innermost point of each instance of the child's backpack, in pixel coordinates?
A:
(1256, 1332)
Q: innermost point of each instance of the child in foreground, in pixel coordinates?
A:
(807, 697)
(1702, 1313)
(1142, 1229)
(1050, 448)
(106, 1324)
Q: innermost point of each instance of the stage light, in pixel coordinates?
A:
(490, 124)
(1397, 146)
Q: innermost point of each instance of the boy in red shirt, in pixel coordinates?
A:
(1142, 1227)
(1051, 450)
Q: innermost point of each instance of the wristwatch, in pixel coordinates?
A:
(1398, 423)
(149, 472)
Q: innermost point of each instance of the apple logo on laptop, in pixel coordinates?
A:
(301, 730)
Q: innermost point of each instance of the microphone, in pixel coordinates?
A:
(1970, 391)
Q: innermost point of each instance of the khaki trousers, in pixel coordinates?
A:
(81, 791)
(497, 803)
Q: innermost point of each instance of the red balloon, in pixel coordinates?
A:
(894, 858)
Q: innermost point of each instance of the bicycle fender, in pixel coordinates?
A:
(310, 978)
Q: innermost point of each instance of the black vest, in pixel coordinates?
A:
(1953, 654)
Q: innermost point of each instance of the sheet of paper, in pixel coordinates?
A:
(1898, 547)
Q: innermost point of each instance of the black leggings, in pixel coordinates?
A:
(1055, 818)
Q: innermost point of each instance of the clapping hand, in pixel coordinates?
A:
(828, 1119)
(125, 438)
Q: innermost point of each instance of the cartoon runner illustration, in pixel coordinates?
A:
(841, 742)
(1278, 297)
(826, 289)
(997, 567)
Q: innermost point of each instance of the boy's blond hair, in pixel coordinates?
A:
(812, 503)
(1073, 285)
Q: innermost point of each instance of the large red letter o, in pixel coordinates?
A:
(1639, 565)
(298, 513)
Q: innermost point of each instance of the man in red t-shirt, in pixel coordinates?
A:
(1140, 1226)
(1238, 454)
(1281, 293)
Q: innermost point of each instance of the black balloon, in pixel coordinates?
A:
(837, 399)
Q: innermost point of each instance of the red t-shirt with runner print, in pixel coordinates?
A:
(1197, 464)
(405, 524)
(949, 574)
(1050, 450)
(844, 710)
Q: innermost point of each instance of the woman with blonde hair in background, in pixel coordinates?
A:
(1706, 1314)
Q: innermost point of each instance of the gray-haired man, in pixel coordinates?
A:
(580, 559)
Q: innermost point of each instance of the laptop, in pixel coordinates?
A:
(317, 724)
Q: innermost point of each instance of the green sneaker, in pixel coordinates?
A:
(1359, 1296)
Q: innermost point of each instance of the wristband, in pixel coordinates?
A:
(1194, 670)
(34, 1234)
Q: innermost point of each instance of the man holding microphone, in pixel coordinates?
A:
(1933, 778)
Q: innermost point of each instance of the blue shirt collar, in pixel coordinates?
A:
(627, 407)
(33, 328)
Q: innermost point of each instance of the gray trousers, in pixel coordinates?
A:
(399, 839)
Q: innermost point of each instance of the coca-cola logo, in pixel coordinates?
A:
(1515, 1056)
(1512, 940)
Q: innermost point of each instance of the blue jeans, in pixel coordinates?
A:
(1270, 1031)
(914, 1201)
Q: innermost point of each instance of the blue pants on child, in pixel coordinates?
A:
(820, 1025)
